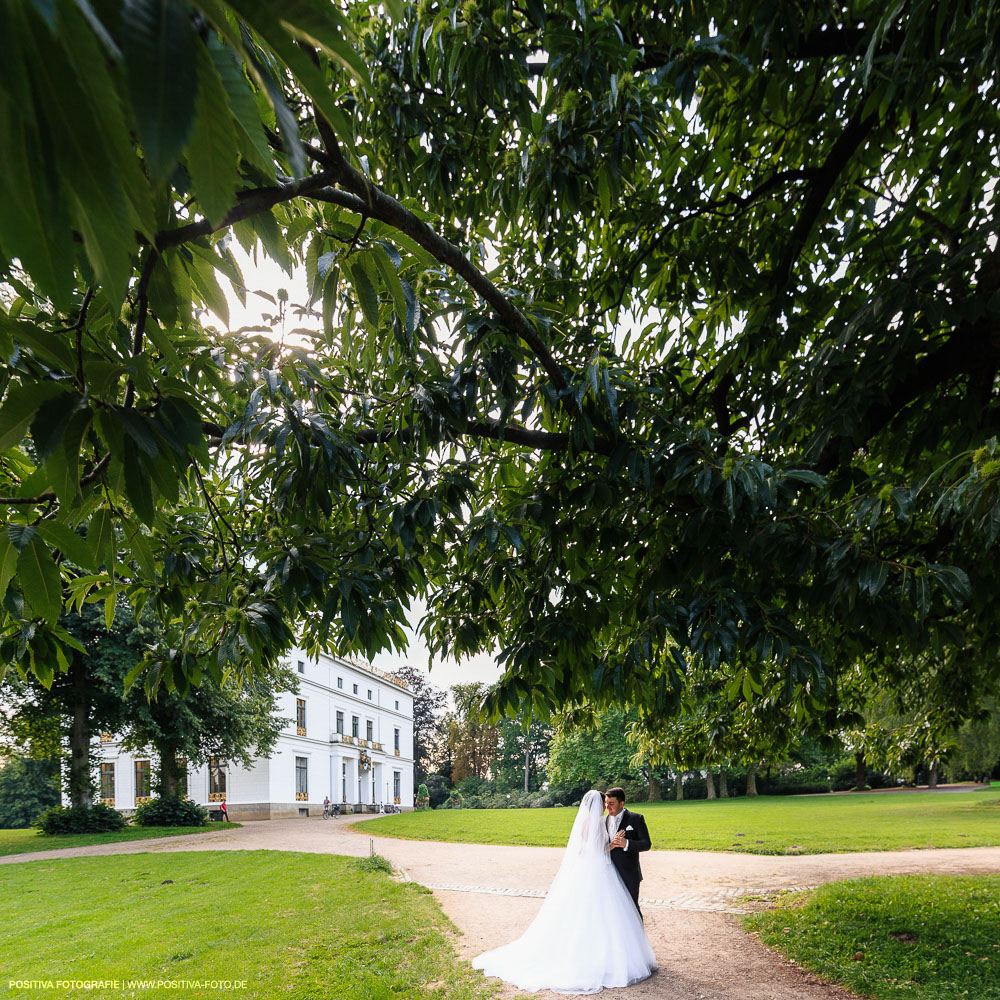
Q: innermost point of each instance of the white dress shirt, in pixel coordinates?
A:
(613, 823)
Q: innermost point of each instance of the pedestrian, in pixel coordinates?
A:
(326, 807)
(224, 811)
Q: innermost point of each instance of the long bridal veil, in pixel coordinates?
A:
(588, 934)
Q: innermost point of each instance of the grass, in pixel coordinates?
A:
(763, 825)
(289, 925)
(908, 937)
(27, 841)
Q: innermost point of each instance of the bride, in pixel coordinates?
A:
(588, 933)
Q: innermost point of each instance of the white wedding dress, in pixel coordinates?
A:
(588, 934)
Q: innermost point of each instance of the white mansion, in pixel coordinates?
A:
(350, 738)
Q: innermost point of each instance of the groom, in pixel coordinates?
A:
(629, 836)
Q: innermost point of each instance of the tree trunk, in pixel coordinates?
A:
(654, 788)
(723, 784)
(80, 786)
(752, 780)
(170, 774)
(859, 772)
(710, 784)
(527, 764)
(679, 790)
(932, 775)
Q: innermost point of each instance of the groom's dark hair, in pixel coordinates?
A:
(617, 793)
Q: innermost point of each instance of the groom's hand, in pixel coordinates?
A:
(618, 840)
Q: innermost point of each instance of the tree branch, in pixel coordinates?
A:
(820, 187)
(384, 207)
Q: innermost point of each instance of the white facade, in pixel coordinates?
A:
(350, 737)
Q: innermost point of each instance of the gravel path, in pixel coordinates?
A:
(491, 893)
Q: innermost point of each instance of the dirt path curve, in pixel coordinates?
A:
(491, 893)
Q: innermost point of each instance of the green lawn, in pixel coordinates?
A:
(26, 841)
(763, 825)
(287, 925)
(911, 937)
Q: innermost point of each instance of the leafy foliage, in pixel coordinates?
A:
(637, 339)
(97, 818)
(170, 812)
(27, 789)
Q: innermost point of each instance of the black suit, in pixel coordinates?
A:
(627, 861)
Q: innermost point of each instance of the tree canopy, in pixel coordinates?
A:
(638, 334)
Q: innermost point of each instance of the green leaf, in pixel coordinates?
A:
(318, 23)
(21, 535)
(95, 197)
(50, 422)
(19, 408)
(160, 64)
(395, 286)
(40, 580)
(69, 543)
(212, 154)
(34, 225)
(110, 607)
(253, 144)
(8, 563)
(139, 489)
(364, 286)
(101, 537)
(210, 291)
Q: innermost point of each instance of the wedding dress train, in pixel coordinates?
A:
(588, 934)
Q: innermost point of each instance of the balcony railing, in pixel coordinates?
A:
(341, 738)
(107, 738)
(139, 799)
(376, 746)
(216, 796)
(396, 752)
(301, 796)
(300, 730)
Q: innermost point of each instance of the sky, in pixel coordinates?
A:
(268, 277)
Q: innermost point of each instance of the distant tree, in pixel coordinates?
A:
(231, 721)
(594, 748)
(27, 788)
(471, 737)
(81, 701)
(521, 757)
(428, 706)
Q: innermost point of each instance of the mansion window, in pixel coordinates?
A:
(369, 694)
(354, 726)
(370, 729)
(301, 779)
(142, 776)
(340, 723)
(340, 683)
(343, 781)
(216, 779)
(355, 688)
(300, 716)
(395, 785)
(395, 740)
(397, 704)
(108, 784)
(302, 667)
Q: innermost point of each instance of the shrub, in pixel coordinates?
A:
(454, 800)
(170, 812)
(438, 789)
(423, 797)
(476, 786)
(97, 818)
